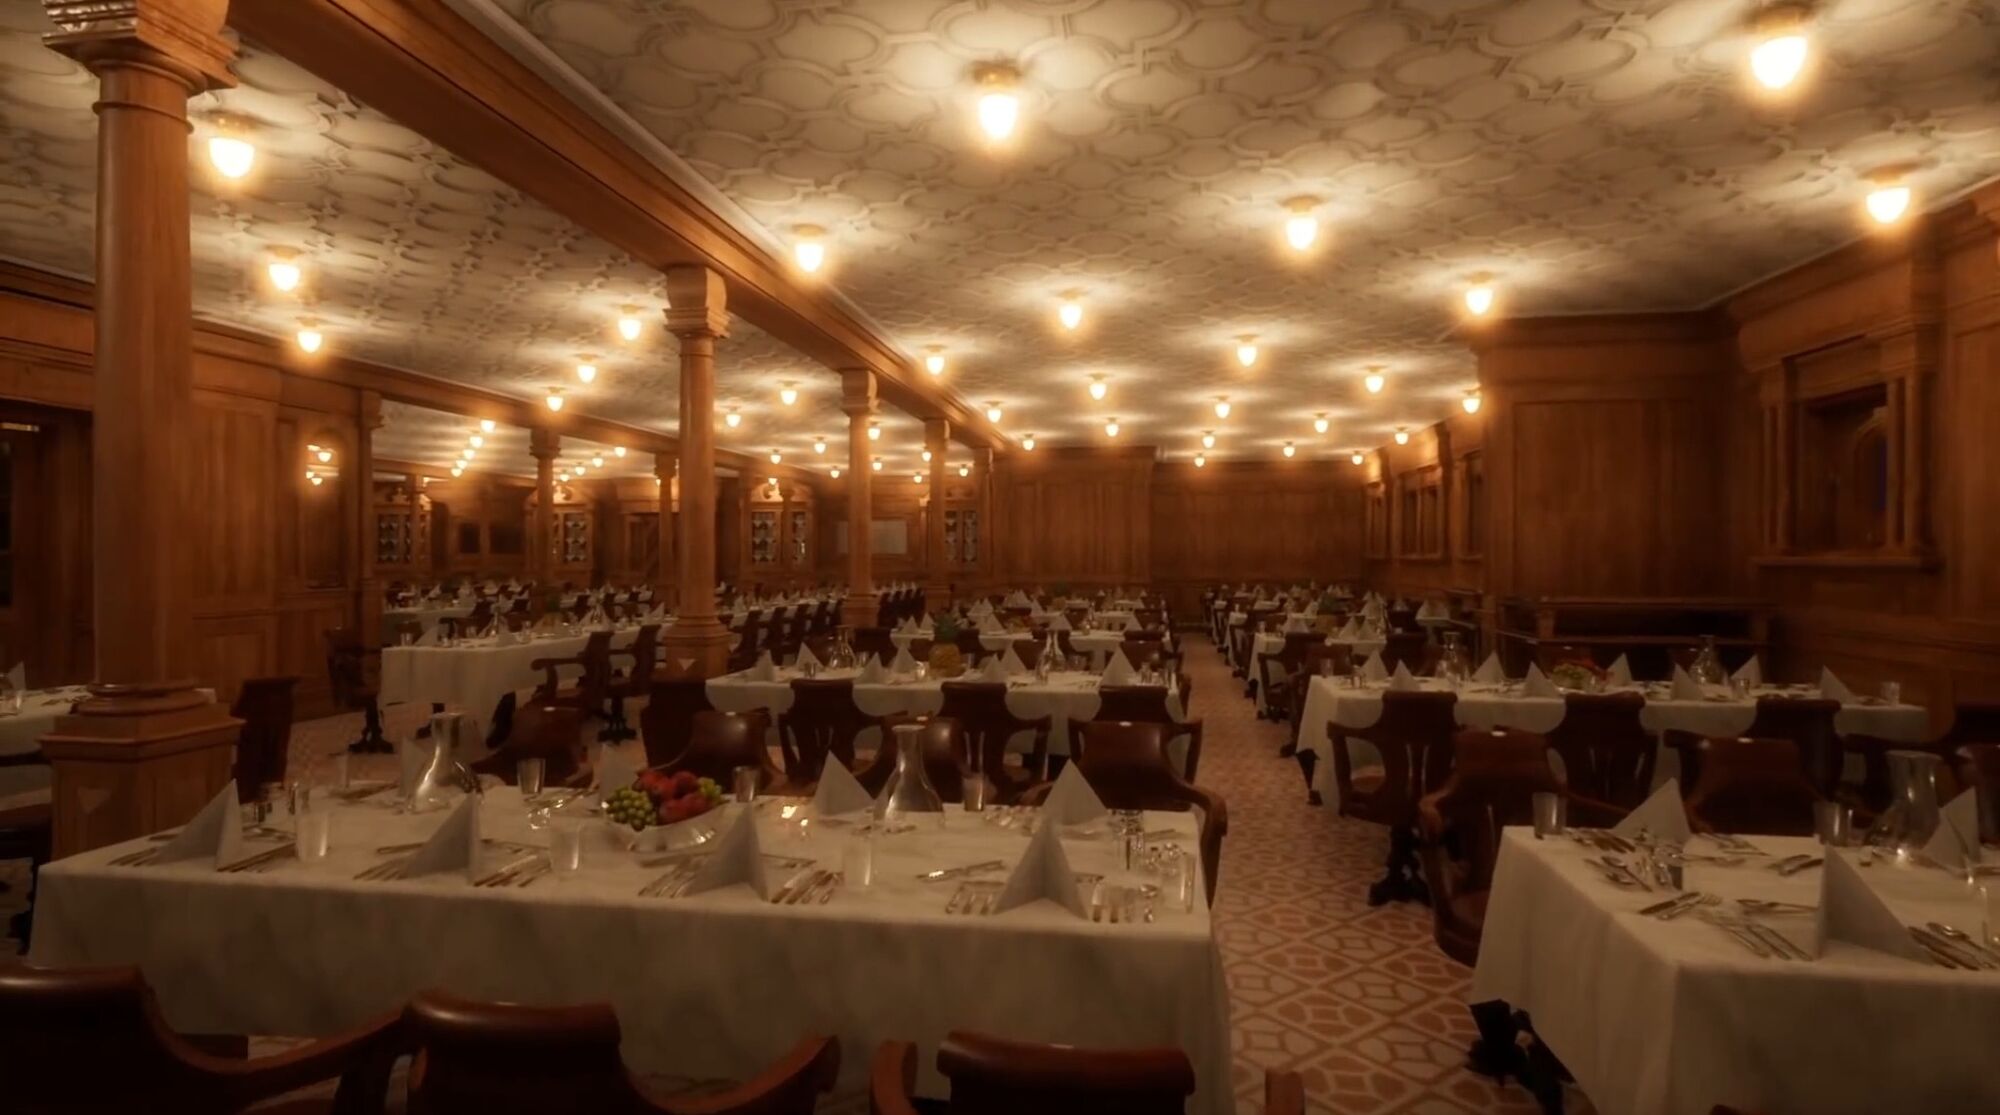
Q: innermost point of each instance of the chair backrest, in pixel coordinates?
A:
(992, 1076)
(969, 645)
(1413, 736)
(822, 721)
(551, 733)
(486, 1058)
(667, 722)
(1406, 648)
(1029, 651)
(345, 669)
(265, 741)
(1808, 723)
(1607, 754)
(1974, 722)
(1749, 785)
(1494, 778)
(719, 742)
(1146, 703)
(1978, 767)
(944, 755)
(875, 641)
(645, 650)
(979, 708)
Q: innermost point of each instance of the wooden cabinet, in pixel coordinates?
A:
(777, 542)
(402, 534)
(572, 541)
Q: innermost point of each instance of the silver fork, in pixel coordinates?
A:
(387, 869)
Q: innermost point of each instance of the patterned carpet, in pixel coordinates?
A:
(1358, 1000)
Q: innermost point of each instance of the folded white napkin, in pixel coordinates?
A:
(1119, 670)
(428, 637)
(614, 771)
(1043, 872)
(1851, 911)
(1684, 687)
(1620, 672)
(1351, 629)
(808, 658)
(1832, 688)
(505, 637)
(1059, 623)
(1295, 625)
(994, 669)
(1957, 832)
(838, 792)
(908, 626)
(872, 672)
(1012, 661)
(453, 847)
(1373, 669)
(1018, 599)
(903, 664)
(738, 858)
(1489, 671)
(927, 623)
(988, 625)
(1432, 610)
(1750, 672)
(1538, 683)
(1071, 801)
(1372, 609)
(1312, 609)
(764, 670)
(215, 833)
(1663, 815)
(1402, 680)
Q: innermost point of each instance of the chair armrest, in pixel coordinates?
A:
(891, 1078)
(1284, 1093)
(789, 1085)
(367, 1051)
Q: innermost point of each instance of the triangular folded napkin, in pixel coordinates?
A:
(1751, 673)
(1851, 911)
(1071, 800)
(1402, 680)
(1538, 683)
(1294, 625)
(1957, 835)
(838, 792)
(1489, 671)
(1832, 688)
(215, 833)
(1043, 872)
(1118, 671)
(995, 668)
(1059, 623)
(453, 847)
(1684, 688)
(738, 858)
(1620, 672)
(988, 625)
(872, 672)
(808, 658)
(1373, 670)
(903, 665)
(1011, 660)
(1350, 630)
(764, 670)
(1663, 815)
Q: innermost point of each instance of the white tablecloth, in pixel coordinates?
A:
(717, 984)
(427, 614)
(472, 677)
(1333, 700)
(1267, 643)
(1670, 1018)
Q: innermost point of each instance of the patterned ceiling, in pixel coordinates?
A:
(414, 258)
(1594, 155)
(424, 436)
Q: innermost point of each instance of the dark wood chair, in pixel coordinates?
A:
(822, 721)
(979, 708)
(1978, 767)
(1029, 651)
(27, 832)
(355, 673)
(875, 641)
(970, 648)
(94, 1040)
(1278, 673)
(477, 1058)
(719, 742)
(588, 694)
(551, 733)
(1126, 763)
(1752, 786)
(667, 721)
(1409, 649)
(635, 681)
(1321, 660)
(1413, 735)
(996, 1076)
(944, 754)
(1808, 723)
(264, 743)
(1607, 755)
(1148, 704)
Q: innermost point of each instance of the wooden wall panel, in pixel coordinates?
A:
(1252, 521)
(1073, 516)
(1445, 445)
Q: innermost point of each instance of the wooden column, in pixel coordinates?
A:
(857, 398)
(545, 445)
(982, 483)
(697, 314)
(368, 590)
(937, 588)
(667, 580)
(146, 749)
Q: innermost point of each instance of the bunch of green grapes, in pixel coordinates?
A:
(629, 806)
(710, 789)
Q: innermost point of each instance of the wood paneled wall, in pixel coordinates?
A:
(1077, 516)
(1252, 521)
(1455, 449)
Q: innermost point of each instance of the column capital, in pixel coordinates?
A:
(697, 302)
(857, 392)
(544, 444)
(184, 36)
(664, 464)
(937, 436)
(368, 410)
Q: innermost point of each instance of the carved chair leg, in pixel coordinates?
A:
(1496, 1052)
(1401, 883)
(371, 731)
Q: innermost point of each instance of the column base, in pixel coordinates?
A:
(699, 642)
(133, 761)
(860, 609)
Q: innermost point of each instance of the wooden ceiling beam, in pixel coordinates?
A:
(438, 74)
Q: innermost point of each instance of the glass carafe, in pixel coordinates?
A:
(909, 791)
(1707, 665)
(1912, 816)
(442, 772)
(1452, 665)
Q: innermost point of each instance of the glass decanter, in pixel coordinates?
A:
(909, 791)
(1707, 665)
(1912, 817)
(442, 772)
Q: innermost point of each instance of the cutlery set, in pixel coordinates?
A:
(1604, 840)
(520, 873)
(956, 872)
(1684, 903)
(974, 898)
(388, 869)
(812, 886)
(1792, 865)
(1762, 941)
(1951, 947)
(264, 860)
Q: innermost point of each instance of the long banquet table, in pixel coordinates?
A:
(473, 676)
(718, 984)
(1505, 705)
(1671, 1017)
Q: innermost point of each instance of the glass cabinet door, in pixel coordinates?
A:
(763, 537)
(799, 539)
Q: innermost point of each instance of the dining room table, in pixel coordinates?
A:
(473, 675)
(1349, 702)
(1672, 1015)
(716, 984)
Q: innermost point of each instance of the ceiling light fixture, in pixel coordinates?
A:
(834, 472)
(1471, 401)
(1357, 458)
(309, 336)
(597, 460)
(1782, 47)
(475, 441)
(1070, 313)
(874, 432)
(586, 370)
(555, 399)
(809, 247)
(1200, 461)
(777, 457)
(1111, 427)
(1374, 380)
(999, 100)
(927, 456)
(788, 393)
(1208, 439)
(819, 445)
(916, 478)
(457, 470)
(1479, 296)
(1402, 436)
(465, 454)
(1222, 406)
(284, 270)
(731, 418)
(1320, 423)
(1099, 388)
(1246, 349)
(628, 322)
(618, 451)
(1302, 227)
(487, 425)
(771, 480)
(562, 474)
(231, 154)
(1028, 443)
(876, 464)
(993, 411)
(965, 470)
(1290, 450)
(1889, 195)
(934, 360)
(579, 470)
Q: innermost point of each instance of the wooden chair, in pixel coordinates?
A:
(1973, 722)
(1278, 673)
(667, 722)
(1126, 763)
(719, 742)
(1029, 651)
(996, 1076)
(1978, 767)
(588, 694)
(980, 710)
(1409, 649)
(94, 1040)
(944, 756)
(27, 829)
(875, 641)
(1808, 723)
(264, 743)
(477, 1058)
(1607, 754)
(1752, 786)
(355, 672)
(1147, 704)
(551, 733)
(634, 681)
(822, 721)
(1413, 735)
(970, 647)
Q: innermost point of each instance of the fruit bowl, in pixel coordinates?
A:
(637, 813)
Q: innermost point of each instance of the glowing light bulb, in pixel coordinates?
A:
(1479, 297)
(916, 478)
(999, 102)
(808, 248)
(732, 419)
(618, 451)
(1289, 450)
(771, 480)
(628, 322)
(1320, 423)
(1782, 48)
(580, 470)
(1028, 443)
(874, 432)
(777, 457)
(834, 472)
(285, 272)
(465, 454)
(965, 470)
(1099, 388)
(1208, 439)
(1070, 313)
(934, 361)
(993, 411)
(315, 478)
(927, 456)
(1111, 427)
(585, 370)
(487, 425)
(1470, 402)
(1200, 461)
(309, 336)
(1402, 436)
(476, 441)
(1222, 406)
(788, 393)
(457, 470)
(1246, 349)
(562, 474)
(819, 445)
(1357, 458)
(1887, 204)
(876, 464)
(1374, 380)
(597, 460)
(232, 155)
(555, 399)
(324, 455)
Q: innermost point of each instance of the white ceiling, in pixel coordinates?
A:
(424, 436)
(1594, 155)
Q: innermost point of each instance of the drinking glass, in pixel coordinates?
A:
(857, 861)
(973, 793)
(1186, 881)
(566, 847)
(1989, 908)
(528, 776)
(743, 780)
(1551, 814)
(1833, 822)
(1739, 688)
(340, 771)
(1892, 692)
(315, 836)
